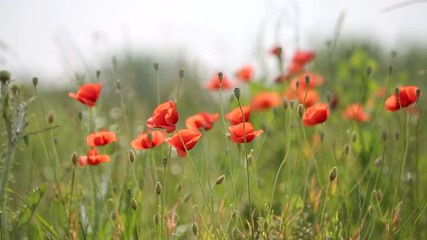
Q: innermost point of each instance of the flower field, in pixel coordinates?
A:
(324, 145)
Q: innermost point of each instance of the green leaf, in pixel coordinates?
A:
(33, 201)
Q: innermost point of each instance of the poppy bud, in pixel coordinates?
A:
(384, 135)
(165, 161)
(131, 156)
(181, 73)
(129, 192)
(50, 117)
(74, 158)
(80, 116)
(133, 204)
(156, 66)
(35, 81)
(158, 188)
(322, 136)
(300, 110)
(307, 80)
(220, 180)
(297, 84)
(195, 229)
(390, 69)
(220, 75)
(397, 136)
(98, 74)
(354, 137)
(418, 92)
(346, 149)
(156, 219)
(333, 174)
(291, 104)
(237, 93)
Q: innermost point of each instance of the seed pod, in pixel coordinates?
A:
(333, 174)
(133, 204)
(220, 75)
(158, 188)
(237, 93)
(307, 80)
(220, 180)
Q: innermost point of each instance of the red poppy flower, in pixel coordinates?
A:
(303, 57)
(235, 116)
(408, 95)
(316, 114)
(265, 100)
(102, 138)
(308, 100)
(246, 73)
(188, 141)
(356, 112)
(295, 68)
(201, 120)
(165, 116)
(213, 83)
(88, 94)
(148, 140)
(93, 158)
(238, 132)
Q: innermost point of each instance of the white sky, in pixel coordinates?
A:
(44, 37)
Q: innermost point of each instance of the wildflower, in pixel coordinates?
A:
(240, 131)
(245, 73)
(88, 94)
(309, 99)
(184, 140)
(356, 112)
(316, 114)
(93, 158)
(201, 120)
(102, 138)
(408, 95)
(315, 79)
(214, 84)
(303, 57)
(148, 140)
(235, 116)
(165, 116)
(265, 100)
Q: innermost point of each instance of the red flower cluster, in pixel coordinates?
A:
(245, 73)
(407, 96)
(97, 139)
(306, 94)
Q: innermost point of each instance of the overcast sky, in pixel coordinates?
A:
(43, 37)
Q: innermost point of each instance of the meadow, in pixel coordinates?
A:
(328, 144)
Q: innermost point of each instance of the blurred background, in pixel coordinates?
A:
(55, 39)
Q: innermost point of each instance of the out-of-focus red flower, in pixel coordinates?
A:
(282, 78)
(93, 158)
(188, 141)
(265, 100)
(237, 132)
(309, 100)
(356, 112)
(101, 138)
(276, 51)
(201, 120)
(315, 79)
(148, 140)
(245, 73)
(295, 68)
(408, 96)
(165, 116)
(235, 116)
(88, 94)
(316, 114)
(303, 57)
(213, 83)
